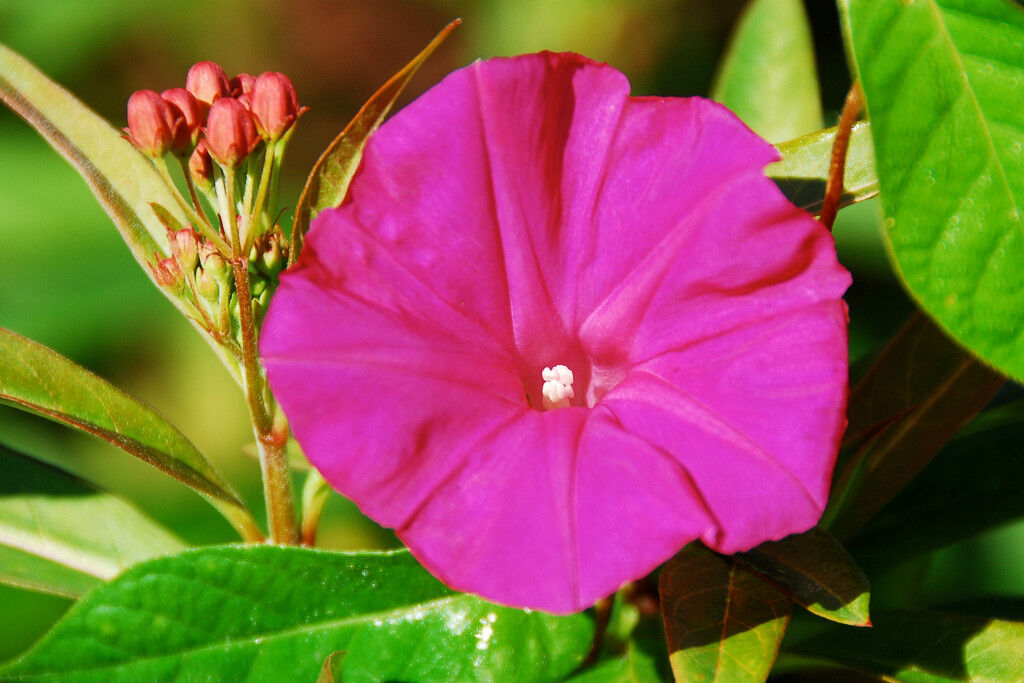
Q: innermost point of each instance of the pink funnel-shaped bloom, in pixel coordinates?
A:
(526, 214)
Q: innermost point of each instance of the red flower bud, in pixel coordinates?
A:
(274, 104)
(207, 82)
(241, 84)
(200, 166)
(167, 273)
(191, 110)
(153, 122)
(230, 131)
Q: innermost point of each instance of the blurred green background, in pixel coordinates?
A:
(67, 280)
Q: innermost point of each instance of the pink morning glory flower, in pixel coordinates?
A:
(556, 332)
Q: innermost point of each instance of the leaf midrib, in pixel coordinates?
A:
(370, 617)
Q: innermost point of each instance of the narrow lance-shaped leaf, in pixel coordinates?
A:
(328, 181)
(280, 612)
(41, 381)
(818, 573)
(925, 387)
(974, 484)
(768, 76)
(123, 180)
(723, 623)
(944, 88)
(803, 171)
(917, 646)
(60, 535)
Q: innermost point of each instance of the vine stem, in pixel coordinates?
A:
(837, 166)
(270, 439)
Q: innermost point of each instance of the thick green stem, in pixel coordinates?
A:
(277, 488)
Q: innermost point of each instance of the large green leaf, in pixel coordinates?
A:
(768, 77)
(41, 381)
(803, 171)
(944, 85)
(817, 572)
(923, 387)
(60, 535)
(329, 180)
(926, 646)
(723, 623)
(263, 613)
(124, 181)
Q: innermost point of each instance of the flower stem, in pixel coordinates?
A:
(201, 222)
(270, 441)
(837, 166)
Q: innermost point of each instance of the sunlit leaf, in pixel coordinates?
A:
(264, 613)
(60, 535)
(944, 88)
(768, 76)
(124, 181)
(803, 171)
(41, 381)
(924, 387)
(818, 573)
(329, 180)
(926, 646)
(723, 622)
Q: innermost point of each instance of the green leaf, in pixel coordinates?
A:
(329, 180)
(803, 171)
(265, 613)
(925, 387)
(723, 623)
(818, 573)
(41, 381)
(60, 535)
(943, 82)
(123, 180)
(768, 77)
(918, 646)
(634, 666)
(941, 506)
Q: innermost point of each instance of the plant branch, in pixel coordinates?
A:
(837, 167)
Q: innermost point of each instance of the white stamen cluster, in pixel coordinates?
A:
(557, 389)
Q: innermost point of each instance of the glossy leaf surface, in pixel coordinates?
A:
(41, 381)
(803, 171)
(60, 535)
(328, 182)
(123, 180)
(723, 622)
(768, 76)
(927, 646)
(943, 84)
(923, 387)
(818, 573)
(265, 613)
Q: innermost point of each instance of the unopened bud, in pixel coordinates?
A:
(207, 287)
(167, 274)
(200, 166)
(230, 132)
(241, 84)
(192, 112)
(275, 104)
(207, 82)
(272, 259)
(185, 249)
(153, 122)
(213, 263)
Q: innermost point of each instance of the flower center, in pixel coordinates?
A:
(557, 389)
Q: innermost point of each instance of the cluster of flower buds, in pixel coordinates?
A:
(229, 136)
(213, 115)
